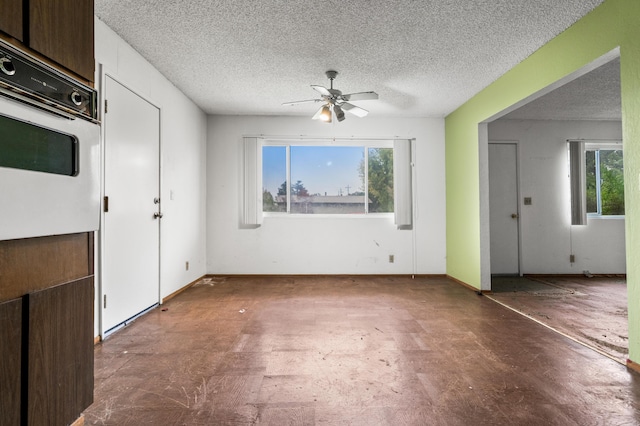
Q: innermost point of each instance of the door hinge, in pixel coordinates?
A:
(106, 204)
(104, 302)
(106, 106)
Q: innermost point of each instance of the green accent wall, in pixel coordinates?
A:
(613, 24)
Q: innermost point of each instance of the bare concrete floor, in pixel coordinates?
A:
(351, 351)
(591, 310)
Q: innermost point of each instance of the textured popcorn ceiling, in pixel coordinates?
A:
(423, 57)
(594, 96)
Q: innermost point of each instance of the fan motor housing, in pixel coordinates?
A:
(331, 74)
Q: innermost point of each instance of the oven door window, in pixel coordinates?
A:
(29, 147)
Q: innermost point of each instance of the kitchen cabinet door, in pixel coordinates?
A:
(60, 353)
(63, 31)
(11, 18)
(10, 361)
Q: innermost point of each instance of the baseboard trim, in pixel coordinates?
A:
(468, 286)
(573, 275)
(181, 289)
(323, 275)
(79, 421)
(633, 366)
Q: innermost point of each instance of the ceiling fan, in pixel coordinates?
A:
(335, 102)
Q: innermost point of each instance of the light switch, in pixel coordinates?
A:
(527, 201)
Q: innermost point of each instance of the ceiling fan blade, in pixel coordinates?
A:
(320, 89)
(360, 96)
(357, 111)
(302, 102)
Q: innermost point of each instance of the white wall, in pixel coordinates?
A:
(312, 245)
(547, 237)
(183, 167)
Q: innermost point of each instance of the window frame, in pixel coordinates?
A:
(615, 145)
(366, 144)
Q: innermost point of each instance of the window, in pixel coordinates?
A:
(604, 179)
(274, 178)
(328, 179)
(325, 177)
(596, 179)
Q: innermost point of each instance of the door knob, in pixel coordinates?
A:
(157, 215)
(514, 215)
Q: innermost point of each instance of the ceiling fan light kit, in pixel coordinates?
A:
(335, 102)
(325, 114)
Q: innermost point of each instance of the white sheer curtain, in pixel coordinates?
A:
(577, 177)
(402, 178)
(252, 193)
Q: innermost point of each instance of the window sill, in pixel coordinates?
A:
(358, 216)
(605, 217)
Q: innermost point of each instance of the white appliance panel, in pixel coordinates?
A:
(39, 204)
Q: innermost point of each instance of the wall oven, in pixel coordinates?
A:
(49, 150)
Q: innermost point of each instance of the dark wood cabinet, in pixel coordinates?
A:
(60, 353)
(10, 361)
(46, 329)
(59, 31)
(11, 18)
(62, 30)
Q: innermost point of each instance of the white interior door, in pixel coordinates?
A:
(130, 232)
(503, 205)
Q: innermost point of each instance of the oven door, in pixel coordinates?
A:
(49, 173)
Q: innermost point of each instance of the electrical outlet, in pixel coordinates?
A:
(392, 258)
(186, 265)
(572, 258)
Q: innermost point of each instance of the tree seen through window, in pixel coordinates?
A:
(605, 182)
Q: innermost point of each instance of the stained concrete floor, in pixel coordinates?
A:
(351, 351)
(592, 310)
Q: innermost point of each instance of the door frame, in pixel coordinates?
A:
(516, 144)
(104, 72)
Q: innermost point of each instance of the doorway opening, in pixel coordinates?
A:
(560, 261)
